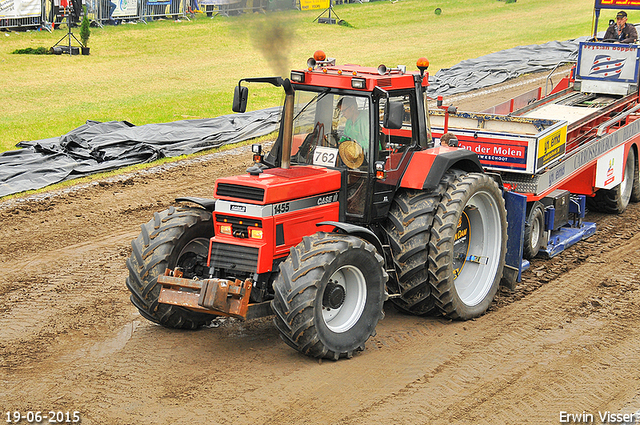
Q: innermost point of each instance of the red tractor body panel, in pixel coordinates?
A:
(420, 166)
(281, 185)
(293, 201)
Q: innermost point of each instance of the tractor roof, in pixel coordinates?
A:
(325, 73)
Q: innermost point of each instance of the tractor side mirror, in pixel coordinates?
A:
(393, 113)
(240, 95)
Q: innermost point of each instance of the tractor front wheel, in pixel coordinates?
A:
(177, 237)
(329, 295)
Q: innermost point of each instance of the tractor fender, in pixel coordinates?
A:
(359, 231)
(427, 167)
(207, 204)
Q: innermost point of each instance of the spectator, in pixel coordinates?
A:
(621, 32)
(449, 139)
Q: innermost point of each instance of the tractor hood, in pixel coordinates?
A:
(276, 185)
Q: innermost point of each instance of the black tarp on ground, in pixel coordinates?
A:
(498, 67)
(97, 147)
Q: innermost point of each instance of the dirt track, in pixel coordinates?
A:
(567, 340)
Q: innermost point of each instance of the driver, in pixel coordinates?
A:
(621, 32)
(357, 125)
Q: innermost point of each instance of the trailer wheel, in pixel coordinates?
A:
(174, 237)
(467, 247)
(615, 201)
(329, 295)
(408, 232)
(635, 189)
(533, 233)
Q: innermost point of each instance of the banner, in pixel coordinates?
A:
(608, 62)
(125, 8)
(618, 4)
(19, 8)
(317, 4)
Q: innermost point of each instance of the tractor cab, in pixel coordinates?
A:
(363, 121)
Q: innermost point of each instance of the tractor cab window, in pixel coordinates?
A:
(396, 140)
(331, 129)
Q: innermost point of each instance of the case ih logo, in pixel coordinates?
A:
(606, 66)
(238, 208)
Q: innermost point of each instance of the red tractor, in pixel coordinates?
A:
(353, 205)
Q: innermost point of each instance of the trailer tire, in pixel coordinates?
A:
(533, 233)
(408, 230)
(329, 295)
(635, 191)
(174, 237)
(616, 200)
(468, 246)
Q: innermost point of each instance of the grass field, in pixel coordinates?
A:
(166, 71)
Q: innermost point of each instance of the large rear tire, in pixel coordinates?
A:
(177, 237)
(467, 246)
(329, 295)
(409, 229)
(616, 200)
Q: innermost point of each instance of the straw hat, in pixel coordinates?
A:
(351, 154)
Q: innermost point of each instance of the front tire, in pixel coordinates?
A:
(468, 246)
(177, 237)
(329, 295)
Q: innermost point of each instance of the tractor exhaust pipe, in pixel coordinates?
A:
(288, 124)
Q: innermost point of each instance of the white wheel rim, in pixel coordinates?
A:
(627, 183)
(343, 318)
(535, 232)
(478, 270)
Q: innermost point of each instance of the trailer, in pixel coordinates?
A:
(573, 150)
(358, 202)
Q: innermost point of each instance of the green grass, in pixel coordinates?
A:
(166, 71)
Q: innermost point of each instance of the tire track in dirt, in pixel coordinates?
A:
(541, 341)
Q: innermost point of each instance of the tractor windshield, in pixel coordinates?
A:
(331, 129)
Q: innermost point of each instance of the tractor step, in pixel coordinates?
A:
(216, 296)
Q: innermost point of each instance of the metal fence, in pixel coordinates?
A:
(100, 12)
(236, 7)
(26, 22)
(103, 12)
(30, 15)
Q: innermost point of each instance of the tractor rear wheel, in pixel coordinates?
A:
(409, 229)
(329, 295)
(467, 246)
(177, 237)
(615, 200)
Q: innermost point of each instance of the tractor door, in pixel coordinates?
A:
(395, 147)
(332, 129)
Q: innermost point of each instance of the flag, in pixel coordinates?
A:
(606, 66)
